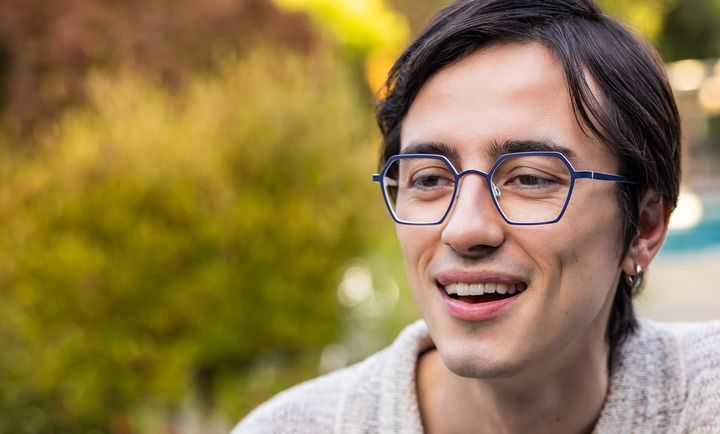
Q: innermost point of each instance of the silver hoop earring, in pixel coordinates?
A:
(636, 280)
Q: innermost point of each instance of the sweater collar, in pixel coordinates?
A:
(646, 386)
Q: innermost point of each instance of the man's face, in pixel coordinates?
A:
(511, 93)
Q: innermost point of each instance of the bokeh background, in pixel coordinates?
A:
(187, 220)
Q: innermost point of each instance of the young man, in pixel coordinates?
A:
(531, 162)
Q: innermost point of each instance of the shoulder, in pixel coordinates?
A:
(693, 346)
(698, 348)
(308, 407)
(348, 399)
(665, 378)
(698, 351)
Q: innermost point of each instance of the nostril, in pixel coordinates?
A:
(479, 251)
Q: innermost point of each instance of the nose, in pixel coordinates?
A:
(474, 226)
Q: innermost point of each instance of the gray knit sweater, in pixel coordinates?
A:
(666, 379)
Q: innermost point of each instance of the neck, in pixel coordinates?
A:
(555, 396)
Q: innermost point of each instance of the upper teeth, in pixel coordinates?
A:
(483, 288)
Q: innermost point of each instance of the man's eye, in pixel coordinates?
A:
(431, 181)
(532, 181)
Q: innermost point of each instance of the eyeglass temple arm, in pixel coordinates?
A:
(602, 176)
(376, 177)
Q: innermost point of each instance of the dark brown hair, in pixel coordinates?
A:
(635, 116)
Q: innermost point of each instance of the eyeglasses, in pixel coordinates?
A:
(528, 188)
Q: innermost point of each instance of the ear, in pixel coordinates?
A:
(653, 224)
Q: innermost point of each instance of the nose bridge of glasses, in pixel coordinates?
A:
(473, 172)
(486, 176)
(472, 205)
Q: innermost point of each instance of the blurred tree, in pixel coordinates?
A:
(691, 29)
(48, 47)
(163, 244)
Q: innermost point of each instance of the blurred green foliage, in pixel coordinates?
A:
(691, 29)
(158, 244)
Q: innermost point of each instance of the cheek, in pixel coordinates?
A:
(582, 247)
(586, 255)
(417, 244)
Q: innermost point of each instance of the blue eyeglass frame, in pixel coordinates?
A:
(574, 175)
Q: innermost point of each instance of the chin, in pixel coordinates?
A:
(477, 360)
(485, 368)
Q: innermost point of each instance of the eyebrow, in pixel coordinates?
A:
(545, 145)
(431, 148)
(496, 148)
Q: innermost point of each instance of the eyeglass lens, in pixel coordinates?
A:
(527, 189)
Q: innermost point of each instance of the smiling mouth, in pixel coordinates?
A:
(474, 293)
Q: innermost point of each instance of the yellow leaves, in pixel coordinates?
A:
(644, 15)
(362, 26)
(377, 66)
(368, 29)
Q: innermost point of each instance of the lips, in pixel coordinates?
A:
(463, 289)
(478, 295)
(466, 283)
(482, 292)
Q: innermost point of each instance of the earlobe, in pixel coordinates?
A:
(654, 214)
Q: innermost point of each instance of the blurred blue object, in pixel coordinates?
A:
(702, 236)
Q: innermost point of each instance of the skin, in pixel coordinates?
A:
(540, 364)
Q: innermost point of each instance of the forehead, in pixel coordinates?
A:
(504, 93)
